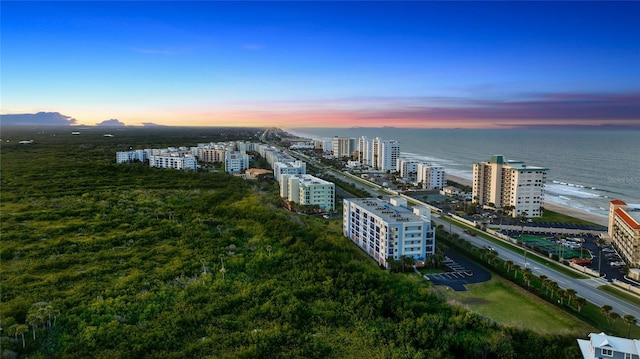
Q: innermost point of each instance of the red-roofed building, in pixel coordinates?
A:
(624, 230)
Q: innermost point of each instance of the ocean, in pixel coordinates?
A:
(587, 168)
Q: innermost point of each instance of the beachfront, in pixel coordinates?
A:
(548, 205)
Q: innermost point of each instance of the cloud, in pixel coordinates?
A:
(110, 123)
(37, 119)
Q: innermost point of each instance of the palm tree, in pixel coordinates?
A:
(20, 330)
(580, 303)
(543, 282)
(606, 309)
(553, 286)
(561, 295)
(526, 275)
(408, 261)
(571, 293)
(600, 242)
(516, 268)
(508, 264)
(222, 270)
(269, 250)
(614, 316)
(630, 320)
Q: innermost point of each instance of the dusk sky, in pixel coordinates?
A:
(323, 64)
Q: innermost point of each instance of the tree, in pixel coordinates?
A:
(544, 281)
(20, 330)
(526, 275)
(600, 242)
(509, 265)
(614, 317)
(580, 303)
(407, 261)
(606, 309)
(571, 293)
(630, 320)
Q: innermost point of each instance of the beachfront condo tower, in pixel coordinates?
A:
(512, 186)
(624, 230)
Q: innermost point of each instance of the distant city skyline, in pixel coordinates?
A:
(323, 64)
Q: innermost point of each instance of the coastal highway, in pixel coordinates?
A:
(585, 288)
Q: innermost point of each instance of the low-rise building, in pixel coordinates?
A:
(235, 162)
(389, 229)
(600, 346)
(431, 176)
(174, 161)
(308, 190)
(289, 168)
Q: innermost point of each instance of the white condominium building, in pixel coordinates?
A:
(379, 154)
(389, 229)
(235, 162)
(624, 230)
(343, 146)
(132, 156)
(431, 176)
(175, 161)
(210, 155)
(308, 190)
(289, 168)
(408, 169)
(509, 184)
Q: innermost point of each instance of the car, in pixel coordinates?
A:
(470, 232)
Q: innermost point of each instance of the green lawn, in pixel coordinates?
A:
(511, 305)
(551, 216)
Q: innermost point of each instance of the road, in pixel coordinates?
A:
(585, 288)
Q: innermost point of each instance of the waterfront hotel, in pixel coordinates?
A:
(386, 229)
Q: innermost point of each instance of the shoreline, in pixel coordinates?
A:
(603, 221)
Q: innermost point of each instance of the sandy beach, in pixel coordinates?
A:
(548, 205)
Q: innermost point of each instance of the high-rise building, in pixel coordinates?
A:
(343, 146)
(379, 154)
(289, 168)
(389, 152)
(431, 176)
(510, 185)
(624, 230)
(389, 229)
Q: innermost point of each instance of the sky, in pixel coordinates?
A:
(422, 64)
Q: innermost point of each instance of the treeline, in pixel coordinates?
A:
(124, 261)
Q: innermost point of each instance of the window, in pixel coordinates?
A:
(627, 356)
(607, 352)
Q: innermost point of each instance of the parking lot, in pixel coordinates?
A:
(462, 272)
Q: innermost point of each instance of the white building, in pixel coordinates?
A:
(174, 161)
(431, 176)
(509, 184)
(388, 155)
(608, 346)
(343, 146)
(408, 169)
(235, 162)
(624, 230)
(289, 168)
(132, 156)
(308, 190)
(389, 229)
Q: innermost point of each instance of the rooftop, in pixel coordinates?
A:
(387, 211)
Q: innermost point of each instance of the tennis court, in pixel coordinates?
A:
(544, 245)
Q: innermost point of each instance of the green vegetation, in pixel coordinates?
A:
(551, 216)
(627, 296)
(511, 305)
(124, 261)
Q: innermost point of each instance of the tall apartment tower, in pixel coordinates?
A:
(431, 176)
(624, 230)
(509, 184)
(389, 229)
(343, 146)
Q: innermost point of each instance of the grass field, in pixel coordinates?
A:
(551, 216)
(511, 305)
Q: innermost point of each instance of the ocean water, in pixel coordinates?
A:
(587, 168)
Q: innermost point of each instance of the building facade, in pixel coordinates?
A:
(235, 162)
(389, 229)
(624, 230)
(509, 185)
(600, 346)
(289, 168)
(431, 176)
(343, 146)
(308, 190)
(177, 162)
